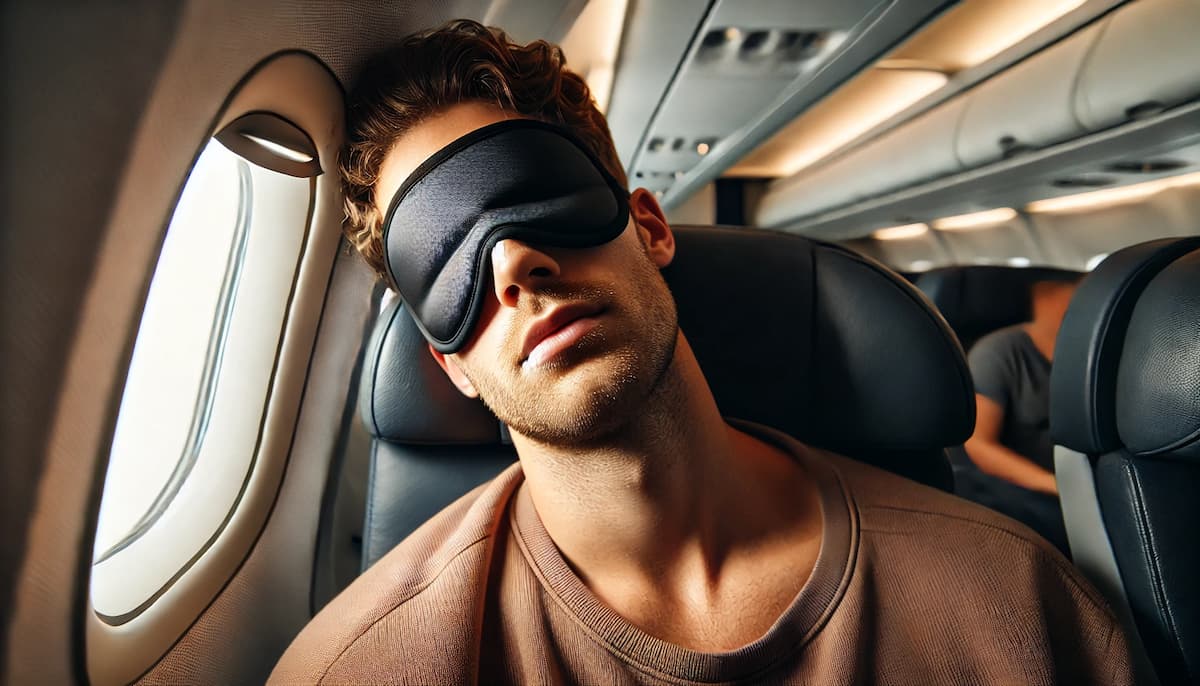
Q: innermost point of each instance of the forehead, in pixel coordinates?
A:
(423, 140)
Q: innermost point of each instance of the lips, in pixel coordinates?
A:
(561, 320)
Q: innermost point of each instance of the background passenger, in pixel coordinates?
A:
(1011, 445)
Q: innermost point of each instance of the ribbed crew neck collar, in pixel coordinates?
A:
(794, 628)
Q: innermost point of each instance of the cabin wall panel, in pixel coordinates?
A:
(68, 121)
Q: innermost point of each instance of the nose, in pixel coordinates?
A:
(519, 267)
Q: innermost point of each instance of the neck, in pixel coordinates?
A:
(668, 496)
(1044, 335)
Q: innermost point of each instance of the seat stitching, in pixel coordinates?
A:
(1150, 555)
(375, 371)
(368, 548)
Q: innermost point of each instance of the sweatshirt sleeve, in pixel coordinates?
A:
(1087, 642)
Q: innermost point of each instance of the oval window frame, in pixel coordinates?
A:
(299, 88)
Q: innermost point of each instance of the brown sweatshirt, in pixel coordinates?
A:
(911, 586)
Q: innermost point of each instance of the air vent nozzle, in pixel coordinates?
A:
(1146, 166)
(1083, 182)
(733, 51)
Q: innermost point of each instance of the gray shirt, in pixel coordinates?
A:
(1009, 370)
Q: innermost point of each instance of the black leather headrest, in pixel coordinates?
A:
(979, 299)
(806, 337)
(1091, 341)
(405, 397)
(1158, 384)
(819, 342)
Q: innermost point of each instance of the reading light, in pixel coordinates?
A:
(1111, 196)
(920, 266)
(1019, 262)
(733, 34)
(898, 232)
(975, 219)
(279, 149)
(702, 148)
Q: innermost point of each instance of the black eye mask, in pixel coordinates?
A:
(520, 179)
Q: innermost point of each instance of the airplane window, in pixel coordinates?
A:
(198, 382)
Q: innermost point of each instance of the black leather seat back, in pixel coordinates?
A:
(979, 299)
(1125, 390)
(807, 337)
(1150, 490)
(824, 344)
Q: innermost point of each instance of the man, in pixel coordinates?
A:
(641, 538)
(1011, 444)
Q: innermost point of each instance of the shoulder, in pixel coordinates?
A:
(888, 503)
(436, 572)
(995, 361)
(950, 571)
(948, 537)
(999, 343)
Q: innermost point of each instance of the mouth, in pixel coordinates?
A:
(557, 331)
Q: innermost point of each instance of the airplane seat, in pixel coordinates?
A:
(806, 337)
(430, 444)
(975, 301)
(979, 299)
(1125, 415)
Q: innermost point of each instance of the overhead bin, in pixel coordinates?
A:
(1134, 63)
(917, 151)
(1029, 106)
(1131, 64)
(1147, 60)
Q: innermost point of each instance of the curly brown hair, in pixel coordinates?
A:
(430, 71)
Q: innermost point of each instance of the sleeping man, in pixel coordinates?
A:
(641, 537)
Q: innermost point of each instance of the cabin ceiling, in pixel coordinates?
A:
(985, 101)
(699, 86)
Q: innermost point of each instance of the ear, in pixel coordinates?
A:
(457, 377)
(653, 229)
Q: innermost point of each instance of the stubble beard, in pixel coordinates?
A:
(590, 411)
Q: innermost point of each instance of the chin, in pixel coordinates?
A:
(591, 402)
(582, 411)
